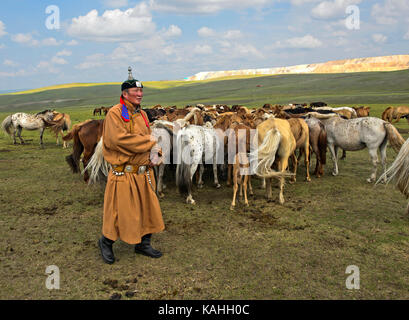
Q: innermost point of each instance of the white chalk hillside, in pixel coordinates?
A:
(385, 63)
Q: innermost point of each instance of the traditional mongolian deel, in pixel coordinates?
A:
(131, 207)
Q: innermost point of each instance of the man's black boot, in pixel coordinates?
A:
(105, 245)
(145, 247)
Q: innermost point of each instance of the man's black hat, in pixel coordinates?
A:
(131, 84)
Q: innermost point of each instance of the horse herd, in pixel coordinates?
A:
(241, 142)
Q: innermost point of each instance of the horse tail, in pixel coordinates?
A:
(393, 136)
(399, 170)
(322, 144)
(266, 155)
(6, 125)
(70, 135)
(97, 165)
(67, 122)
(183, 178)
(73, 159)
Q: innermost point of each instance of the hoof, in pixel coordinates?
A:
(217, 186)
(232, 208)
(292, 181)
(200, 186)
(334, 173)
(161, 195)
(308, 179)
(370, 180)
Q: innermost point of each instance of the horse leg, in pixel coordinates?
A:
(41, 137)
(235, 185)
(200, 182)
(14, 135)
(307, 160)
(245, 180)
(160, 180)
(333, 151)
(269, 194)
(263, 183)
(344, 155)
(295, 163)
(250, 187)
(383, 157)
(282, 166)
(19, 135)
(216, 180)
(229, 170)
(373, 152)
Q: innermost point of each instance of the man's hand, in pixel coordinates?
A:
(155, 157)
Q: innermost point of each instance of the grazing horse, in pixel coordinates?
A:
(86, 136)
(357, 134)
(195, 144)
(97, 111)
(20, 120)
(60, 123)
(399, 172)
(391, 113)
(276, 144)
(318, 142)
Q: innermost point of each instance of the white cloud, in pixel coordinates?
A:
(232, 34)
(116, 3)
(92, 61)
(390, 12)
(205, 6)
(51, 42)
(203, 49)
(332, 9)
(58, 60)
(379, 38)
(173, 31)
(64, 52)
(306, 42)
(113, 25)
(72, 43)
(2, 29)
(302, 2)
(25, 39)
(406, 36)
(206, 32)
(10, 63)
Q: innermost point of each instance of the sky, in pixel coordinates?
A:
(53, 42)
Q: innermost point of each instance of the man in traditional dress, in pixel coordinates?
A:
(131, 207)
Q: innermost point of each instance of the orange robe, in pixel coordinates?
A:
(131, 207)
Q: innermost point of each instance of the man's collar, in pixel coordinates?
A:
(130, 106)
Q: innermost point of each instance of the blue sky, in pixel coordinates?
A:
(96, 41)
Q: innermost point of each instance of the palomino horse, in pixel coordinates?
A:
(86, 136)
(195, 144)
(276, 144)
(356, 134)
(399, 172)
(21, 120)
(391, 113)
(60, 123)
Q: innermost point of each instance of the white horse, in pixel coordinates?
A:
(195, 144)
(399, 172)
(357, 134)
(20, 120)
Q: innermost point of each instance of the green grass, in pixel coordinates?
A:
(299, 250)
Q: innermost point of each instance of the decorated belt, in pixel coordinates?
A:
(121, 169)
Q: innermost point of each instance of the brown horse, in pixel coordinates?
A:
(318, 142)
(97, 111)
(86, 136)
(391, 113)
(301, 133)
(362, 111)
(60, 123)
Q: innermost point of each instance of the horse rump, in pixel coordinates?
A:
(6, 125)
(183, 178)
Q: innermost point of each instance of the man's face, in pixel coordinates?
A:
(134, 95)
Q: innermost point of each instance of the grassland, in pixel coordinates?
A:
(299, 250)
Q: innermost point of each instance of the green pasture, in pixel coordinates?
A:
(299, 250)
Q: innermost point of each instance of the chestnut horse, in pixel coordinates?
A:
(86, 136)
